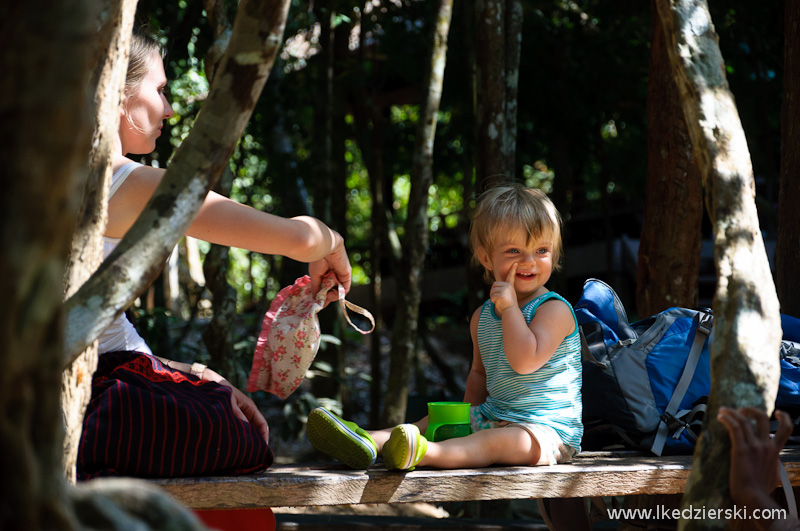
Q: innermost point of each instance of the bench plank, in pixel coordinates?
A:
(591, 474)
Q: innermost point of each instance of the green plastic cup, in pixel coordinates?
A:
(447, 420)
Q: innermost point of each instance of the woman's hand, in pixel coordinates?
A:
(337, 262)
(245, 409)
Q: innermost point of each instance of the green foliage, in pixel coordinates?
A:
(582, 129)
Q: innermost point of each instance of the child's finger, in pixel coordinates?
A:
(512, 274)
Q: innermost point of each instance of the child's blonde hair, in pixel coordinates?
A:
(514, 205)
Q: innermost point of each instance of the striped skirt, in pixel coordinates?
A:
(147, 420)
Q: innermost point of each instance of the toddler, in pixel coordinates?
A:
(525, 381)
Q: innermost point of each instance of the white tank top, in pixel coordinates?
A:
(120, 335)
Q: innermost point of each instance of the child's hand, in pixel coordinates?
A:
(502, 294)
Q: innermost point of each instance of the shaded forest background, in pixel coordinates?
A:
(350, 82)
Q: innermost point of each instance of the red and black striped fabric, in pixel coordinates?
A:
(147, 420)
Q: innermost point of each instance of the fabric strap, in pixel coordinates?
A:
(704, 323)
(344, 304)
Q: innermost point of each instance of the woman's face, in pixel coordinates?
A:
(144, 111)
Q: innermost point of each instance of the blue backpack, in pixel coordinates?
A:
(645, 385)
(789, 386)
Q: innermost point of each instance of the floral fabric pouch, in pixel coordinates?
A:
(290, 336)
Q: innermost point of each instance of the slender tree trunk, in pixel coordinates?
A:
(473, 276)
(115, 20)
(513, 45)
(787, 256)
(370, 126)
(671, 240)
(323, 188)
(218, 335)
(339, 188)
(490, 160)
(409, 285)
(744, 360)
(379, 226)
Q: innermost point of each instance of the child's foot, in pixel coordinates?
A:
(340, 439)
(405, 448)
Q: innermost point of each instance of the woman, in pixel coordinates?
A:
(149, 416)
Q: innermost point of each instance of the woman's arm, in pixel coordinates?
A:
(226, 222)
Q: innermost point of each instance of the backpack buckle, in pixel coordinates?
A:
(705, 323)
(674, 424)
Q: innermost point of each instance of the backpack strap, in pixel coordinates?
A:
(787, 490)
(705, 322)
(593, 347)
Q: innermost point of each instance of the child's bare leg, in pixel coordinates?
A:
(381, 436)
(496, 446)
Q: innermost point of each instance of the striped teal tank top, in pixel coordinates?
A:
(550, 395)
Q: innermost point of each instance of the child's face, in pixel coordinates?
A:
(534, 261)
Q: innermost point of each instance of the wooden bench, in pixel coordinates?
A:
(590, 474)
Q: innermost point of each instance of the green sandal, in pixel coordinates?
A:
(405, 448)
(341, 439)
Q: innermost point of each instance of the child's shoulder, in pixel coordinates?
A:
(548, 298)
(556, 309)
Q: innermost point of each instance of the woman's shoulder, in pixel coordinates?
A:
(121, 168)
(120, 162)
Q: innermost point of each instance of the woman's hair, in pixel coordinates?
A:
(143, 47)
(511, 206)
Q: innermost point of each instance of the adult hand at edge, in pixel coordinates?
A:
(754, 454)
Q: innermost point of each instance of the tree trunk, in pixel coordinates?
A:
(44, 145)
(45, 138)
(671, 240)
(370, 123)
(218, 335)
(409, 285)
(197, 164)
(491, 157)
(110, 48)
(513, 44)
(787, 256)
(744, 360)
(324, 199)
